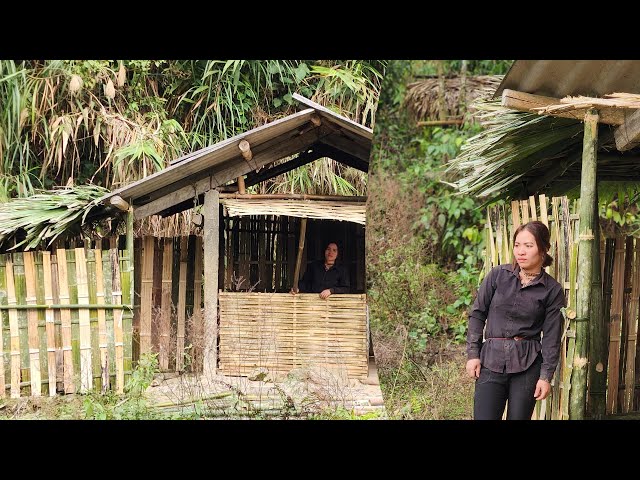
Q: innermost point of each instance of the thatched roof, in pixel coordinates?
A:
(422, 96)
(522, 154)
(526, 153)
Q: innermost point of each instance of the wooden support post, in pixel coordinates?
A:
(303, 232)
(211, 239)
(586, 242)
(241, 187)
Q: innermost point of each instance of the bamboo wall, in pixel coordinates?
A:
(168, 315)
(620, 263)
(63, 325)
(281, 332)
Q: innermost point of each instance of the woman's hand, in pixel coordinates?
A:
(294, 291)
(325, 293)
(473, 367)
(543, 388)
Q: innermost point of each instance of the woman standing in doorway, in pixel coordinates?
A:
(518, 308)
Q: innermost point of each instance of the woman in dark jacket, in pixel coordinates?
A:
(516, 303)
(325, 276)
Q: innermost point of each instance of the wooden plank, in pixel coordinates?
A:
(93, 313)
(211, 239)
(614, 332)
(526, 102)
(102, 323)
(14, 331)
(627, 135)
(146, 306)
(118, 331)
(32, 318)
(182, 298)
(86, 374)
(165, 305)
(65, 318)
(50, 326)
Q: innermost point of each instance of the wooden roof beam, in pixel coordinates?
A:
(526, 102)
(627, 135)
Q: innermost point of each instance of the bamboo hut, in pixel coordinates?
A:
(252, 251)
(571, 127)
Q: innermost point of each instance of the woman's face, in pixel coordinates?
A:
(331, 253)
(525, 249)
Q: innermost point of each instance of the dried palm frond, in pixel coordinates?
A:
(46, 215)
(514, 143)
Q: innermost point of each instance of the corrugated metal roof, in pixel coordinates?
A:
(559, 78)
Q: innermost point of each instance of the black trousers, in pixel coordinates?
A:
(493, 390)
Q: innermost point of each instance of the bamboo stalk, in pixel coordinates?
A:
(303, 232)
(614, 328)
(588, 199)
(86, 374)
(293, 196)
(515, 217)
(3, 287)
(532, 204)
(102, 323)
(65, 318)
(15, 333)
(597, 332)
(50, 326)
(116, 292)
(197, 304)
(182, 305)
(165, 304)
(32, 319)
(633, 332)
(146, 294)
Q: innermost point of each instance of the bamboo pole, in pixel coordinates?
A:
(50, 322)
(116, 292)
(14, 331)
(182, 305)
(586, 240)
(102, 323)
(65, 319)
(197, 304)
(598, 352)
(86, 374)
(32, 327)
(293, 196)
(629, 383)
(614, 327)
(3, 287)
(165, 304)
(303, 232)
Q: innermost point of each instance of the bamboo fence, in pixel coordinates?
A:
(63, 322)
(282, 332)
(620, 264)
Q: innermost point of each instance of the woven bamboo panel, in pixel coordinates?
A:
(280, 332)
(322, 209)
